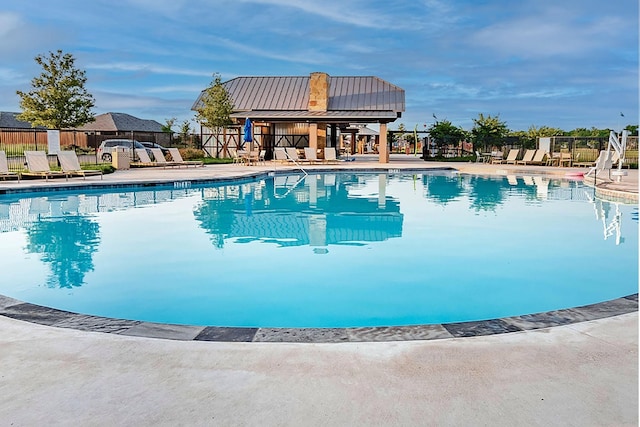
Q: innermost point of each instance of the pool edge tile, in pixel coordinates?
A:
(164, 331)
(301, 335)
(216, 333)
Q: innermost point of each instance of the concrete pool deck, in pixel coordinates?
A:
(579, 374)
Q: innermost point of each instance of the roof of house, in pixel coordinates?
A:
(122, 122)
(363, 98)
(9, 120)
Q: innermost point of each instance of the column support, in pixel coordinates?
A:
(383, 146)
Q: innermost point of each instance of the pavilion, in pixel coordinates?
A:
(308, 110)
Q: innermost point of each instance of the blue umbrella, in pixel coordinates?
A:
(247, 131)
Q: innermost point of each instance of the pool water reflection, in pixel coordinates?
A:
(326, 250)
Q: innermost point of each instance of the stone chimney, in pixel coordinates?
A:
(318, 92)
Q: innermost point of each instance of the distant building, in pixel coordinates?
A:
(8, 120)
(121, 122)
(309, 110)
(107, 125)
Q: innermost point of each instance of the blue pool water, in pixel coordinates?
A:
(328, 250)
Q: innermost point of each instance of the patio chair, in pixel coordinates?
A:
(480, 158)
(539, 158)
(145, 160)
(4, 168)
(311, 155)
(177, 158)
(527, 158)
(512, 156)
(70, 164)
(292, 153)
(280, 155)
(330, 155)
(565, 159)
(38, 165)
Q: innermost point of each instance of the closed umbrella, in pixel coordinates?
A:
(247, 133)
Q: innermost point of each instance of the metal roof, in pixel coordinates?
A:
(288, 97)
(334, 116)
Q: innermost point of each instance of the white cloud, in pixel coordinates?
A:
(552, 32)
(149, 68)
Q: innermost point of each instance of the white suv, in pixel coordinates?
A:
(109, 145)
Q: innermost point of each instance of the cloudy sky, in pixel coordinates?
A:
(565, 64)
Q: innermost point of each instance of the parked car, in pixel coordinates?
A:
(148, 144)
(109, 145)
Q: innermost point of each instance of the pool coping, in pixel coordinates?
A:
(24, 311)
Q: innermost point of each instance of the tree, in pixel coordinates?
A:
(166, 128)
(185, 131)
(488, 131)
(530, 137)
(216, 108)
(444, 133)
(58, 98)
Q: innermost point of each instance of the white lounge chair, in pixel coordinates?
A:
(144, 158)
(311, 155)
(512, 156)
(292, 153)
(159, 158)
(38, 165)
(527, 158)
(177, 158)
(4, 168)
(70, 164)
(280, 155)
(330, 155)
(539, 157)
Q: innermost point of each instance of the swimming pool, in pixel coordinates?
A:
(326, 250)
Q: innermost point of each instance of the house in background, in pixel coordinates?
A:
(305, 111)
(122, 125)
(107, 125)
(8, 120)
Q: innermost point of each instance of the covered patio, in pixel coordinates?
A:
(306, 111)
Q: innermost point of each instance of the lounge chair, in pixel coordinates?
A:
(4, 168)
(539, 158)
(330, 155)
(145, 160)
(177, 158)
(280, 155)
(292, 153)
(311, 155)
(38, 165)
(527, 158)
(511, 157)
(70, 164)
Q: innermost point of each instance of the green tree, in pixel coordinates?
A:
(530, 137)
(488, 131)
(185, 131)
(444, 133)
(166, 128)
(58, 98)
(216, 108)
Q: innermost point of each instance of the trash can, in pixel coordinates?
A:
(120, 158)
